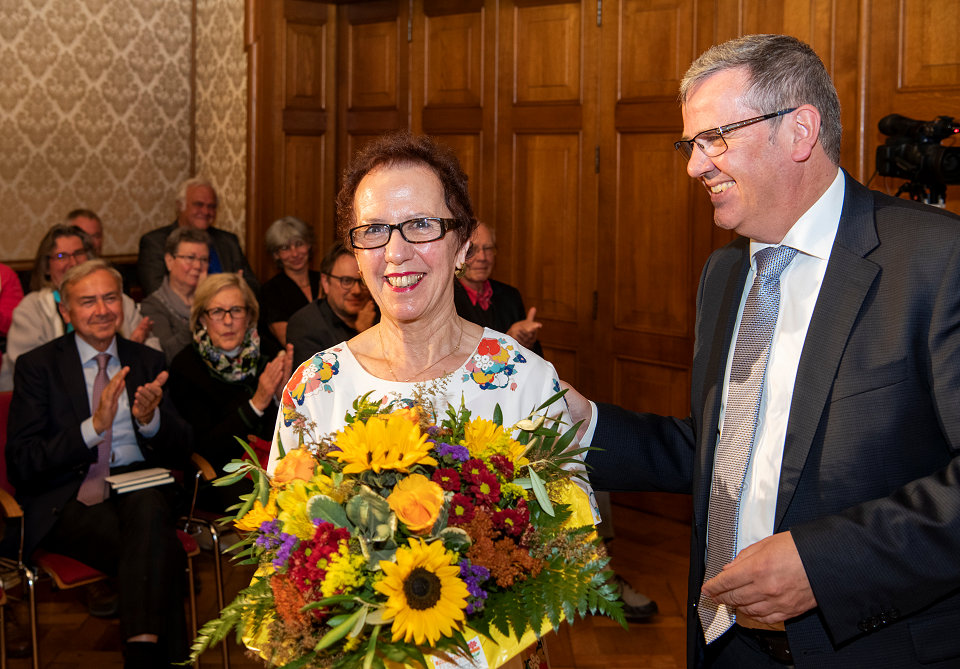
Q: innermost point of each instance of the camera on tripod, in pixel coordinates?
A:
(913, 151)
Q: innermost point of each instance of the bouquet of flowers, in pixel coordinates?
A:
(408, 538)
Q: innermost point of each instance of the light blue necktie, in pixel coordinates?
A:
(747, 374)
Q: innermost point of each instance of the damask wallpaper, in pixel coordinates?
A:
(95, 112)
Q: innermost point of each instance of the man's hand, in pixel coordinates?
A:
(525, 331)
(366, 316)
(109, 399)
(142, 331)
(766, 581)
(147, 398)
(580, 409)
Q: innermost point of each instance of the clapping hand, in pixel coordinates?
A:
(142, 331)
(109, 400)
(272, 378)
(525, 331)
(147, 398)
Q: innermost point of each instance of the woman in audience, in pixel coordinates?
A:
(221, 384)
(11, 292)
(37, 320)
(290, 242)
(187, 254)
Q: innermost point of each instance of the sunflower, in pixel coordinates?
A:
(485, 438)
(257, 515)
(382, 442)
(425, 595)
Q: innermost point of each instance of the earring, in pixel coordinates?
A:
(460, 271)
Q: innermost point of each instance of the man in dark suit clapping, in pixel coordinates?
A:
(821, 448)
(87, 405)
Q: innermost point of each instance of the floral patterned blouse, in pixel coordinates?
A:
(500, 371)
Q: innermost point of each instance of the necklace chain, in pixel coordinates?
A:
(432, 364)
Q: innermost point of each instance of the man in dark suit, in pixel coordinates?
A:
(197, 208)
(86, 405)
(491, 303)
(845, 531)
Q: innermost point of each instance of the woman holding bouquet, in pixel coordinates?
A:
(405, 211)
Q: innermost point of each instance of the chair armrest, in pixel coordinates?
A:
(11, 509)
(203, 466)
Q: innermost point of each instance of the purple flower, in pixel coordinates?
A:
(473, 576)
(271, 538)
(455, 452)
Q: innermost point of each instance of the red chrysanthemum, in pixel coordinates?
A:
(308, 564)
(470, 469)
(503, 466)
(447, 478)
(461, 510)
(485, 488)
(511, 522)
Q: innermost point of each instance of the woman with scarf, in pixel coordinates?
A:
(221, 384)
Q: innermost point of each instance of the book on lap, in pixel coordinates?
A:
(137, 480)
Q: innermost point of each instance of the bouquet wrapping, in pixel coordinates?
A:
(412, 539)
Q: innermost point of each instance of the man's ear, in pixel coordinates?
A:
(805, 130)
(64, 313)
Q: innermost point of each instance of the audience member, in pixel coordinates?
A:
(290, 242)
(187, 255)
(89, 222)
(489, 302)
(196, 208)
(85, 405)
(11, 292)
(345, 309)
(38, 320)
(221, 384)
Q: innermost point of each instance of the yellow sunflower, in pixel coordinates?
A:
(383, 442)
(257, 515)
(425, 596)
(484, 438)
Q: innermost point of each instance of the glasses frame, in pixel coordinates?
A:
(192, 259)
(446, 225)
(63, 255)
(685, 146)
(244, 311)
(351, 280)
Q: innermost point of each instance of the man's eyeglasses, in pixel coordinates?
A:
(415, 231)
(482, 251)
(348, 282)
(217, 314)
(76, 255)
(203, 260)
(712, 143)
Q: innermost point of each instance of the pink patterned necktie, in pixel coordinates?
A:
(747, 373)
(94, 487)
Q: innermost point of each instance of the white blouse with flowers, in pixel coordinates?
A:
(500, 371)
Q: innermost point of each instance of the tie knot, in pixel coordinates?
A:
(102, 360)
(772, 260)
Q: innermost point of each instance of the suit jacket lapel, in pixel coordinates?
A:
(846, 283)
(71, 371)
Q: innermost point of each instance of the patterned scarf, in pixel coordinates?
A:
(227, 368)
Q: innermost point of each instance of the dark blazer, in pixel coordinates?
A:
(315, 328)
(870, 479)
(506, 308)
(151, 268)
(46, 456)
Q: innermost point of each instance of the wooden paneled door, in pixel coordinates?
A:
(292, 130)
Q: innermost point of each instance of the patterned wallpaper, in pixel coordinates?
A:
(222, 107)
(95, 113)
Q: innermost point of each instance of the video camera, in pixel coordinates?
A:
(913, 152)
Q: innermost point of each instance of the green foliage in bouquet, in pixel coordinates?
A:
(406, 533)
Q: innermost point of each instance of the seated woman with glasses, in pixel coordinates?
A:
(221, 384)
(37, 319)
(405, 211)
(187, 255)
(290, 241)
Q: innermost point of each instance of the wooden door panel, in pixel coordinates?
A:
(928, 55)
(305, 174)
(547, 213)
(548, 53)
(469, 150)
(652, 66)
(304, 72)
(644, 384)
(453, 60)
(373, 65)
(651, 238)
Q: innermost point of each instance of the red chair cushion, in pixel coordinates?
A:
(68, 571)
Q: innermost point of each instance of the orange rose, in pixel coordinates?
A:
(298, 464)
(417, 502)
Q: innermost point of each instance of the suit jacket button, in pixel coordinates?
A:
(863, 626)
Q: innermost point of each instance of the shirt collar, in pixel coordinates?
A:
(88, 353)
(814, 232)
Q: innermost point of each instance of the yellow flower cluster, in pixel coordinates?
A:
(484, 438)
(344, 572)
(392, 441)
(257, 515)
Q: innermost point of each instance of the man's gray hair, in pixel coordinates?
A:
(193, 182)
(784, 73)
(82, 271)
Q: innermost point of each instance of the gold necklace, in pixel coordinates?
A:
(432, 364)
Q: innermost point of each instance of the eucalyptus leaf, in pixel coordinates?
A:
(540, 490)
(338, 632)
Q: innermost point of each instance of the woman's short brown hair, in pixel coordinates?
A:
(406, 149)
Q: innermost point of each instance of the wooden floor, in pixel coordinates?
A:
(650, 551)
